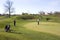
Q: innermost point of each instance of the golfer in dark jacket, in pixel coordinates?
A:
(14, 22)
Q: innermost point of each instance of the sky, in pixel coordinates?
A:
(32, 6)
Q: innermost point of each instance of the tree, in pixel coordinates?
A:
(41, 13)
(51, 13)
(24, 13)
(8, 7)
(57, 14)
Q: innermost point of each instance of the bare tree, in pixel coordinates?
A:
(41, 13)
(8, 7)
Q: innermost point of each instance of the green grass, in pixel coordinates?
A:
(48, 27)
(21, 33)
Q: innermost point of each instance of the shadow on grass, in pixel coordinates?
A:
(11, 31)
(15, 32)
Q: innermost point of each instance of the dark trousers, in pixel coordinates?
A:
(38, 22)
(14, 24)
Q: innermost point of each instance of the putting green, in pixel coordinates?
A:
(48, 27)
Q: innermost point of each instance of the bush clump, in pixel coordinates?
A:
(25, 17)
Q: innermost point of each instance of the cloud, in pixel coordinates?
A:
(54, 3)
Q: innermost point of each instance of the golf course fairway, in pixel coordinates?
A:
(49, 27)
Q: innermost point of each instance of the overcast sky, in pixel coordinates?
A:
(32, 6)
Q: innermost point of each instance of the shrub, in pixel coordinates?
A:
(25, 17)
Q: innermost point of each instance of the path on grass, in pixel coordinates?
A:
(48, 27)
